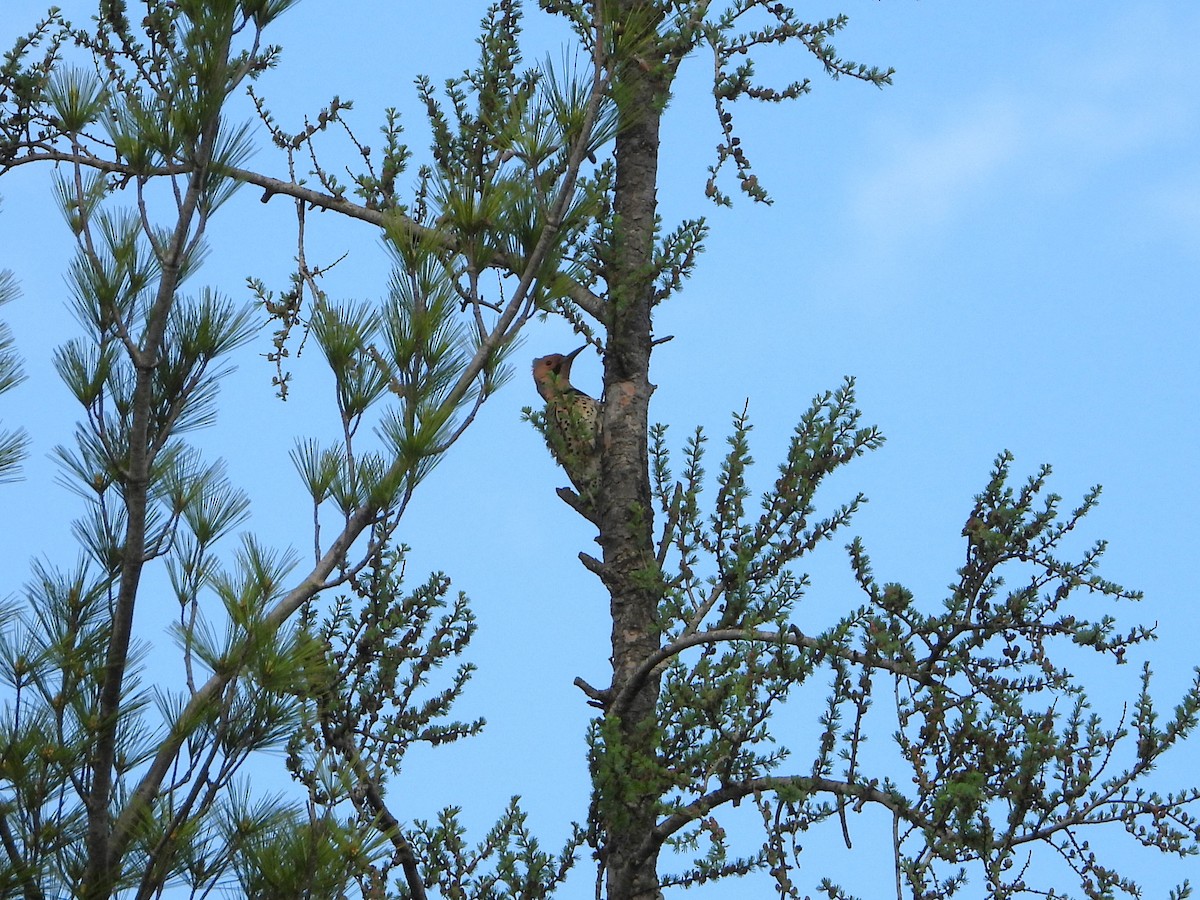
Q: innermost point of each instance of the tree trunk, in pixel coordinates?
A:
(624, 504)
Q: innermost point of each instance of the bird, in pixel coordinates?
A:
(572, 423)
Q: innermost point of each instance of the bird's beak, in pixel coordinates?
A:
(574, 353)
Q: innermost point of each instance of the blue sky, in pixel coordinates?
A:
(1003, 247)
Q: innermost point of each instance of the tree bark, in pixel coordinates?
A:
(625, 512)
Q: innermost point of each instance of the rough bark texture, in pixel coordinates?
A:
(624, 508)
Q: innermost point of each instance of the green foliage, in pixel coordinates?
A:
(505, 179)
(146, 370)
(23, 82)
(380, 648)
(624, 774)
(752, 585)
(508, 862)
(12, 443)
(376, 690)
(731, 594)
(289, 854)
(730, 40)
(52, 654)
(994, 761)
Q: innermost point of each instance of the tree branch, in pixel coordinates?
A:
(793, 636)
(589, 302)
(863, 793)
(142, 797)
(29, 885)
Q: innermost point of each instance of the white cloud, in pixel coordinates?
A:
(1120, 94)
(1176, 204)
(926, 180)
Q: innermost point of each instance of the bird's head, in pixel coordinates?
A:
(553, 373)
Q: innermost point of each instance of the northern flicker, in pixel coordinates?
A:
(572, 422)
